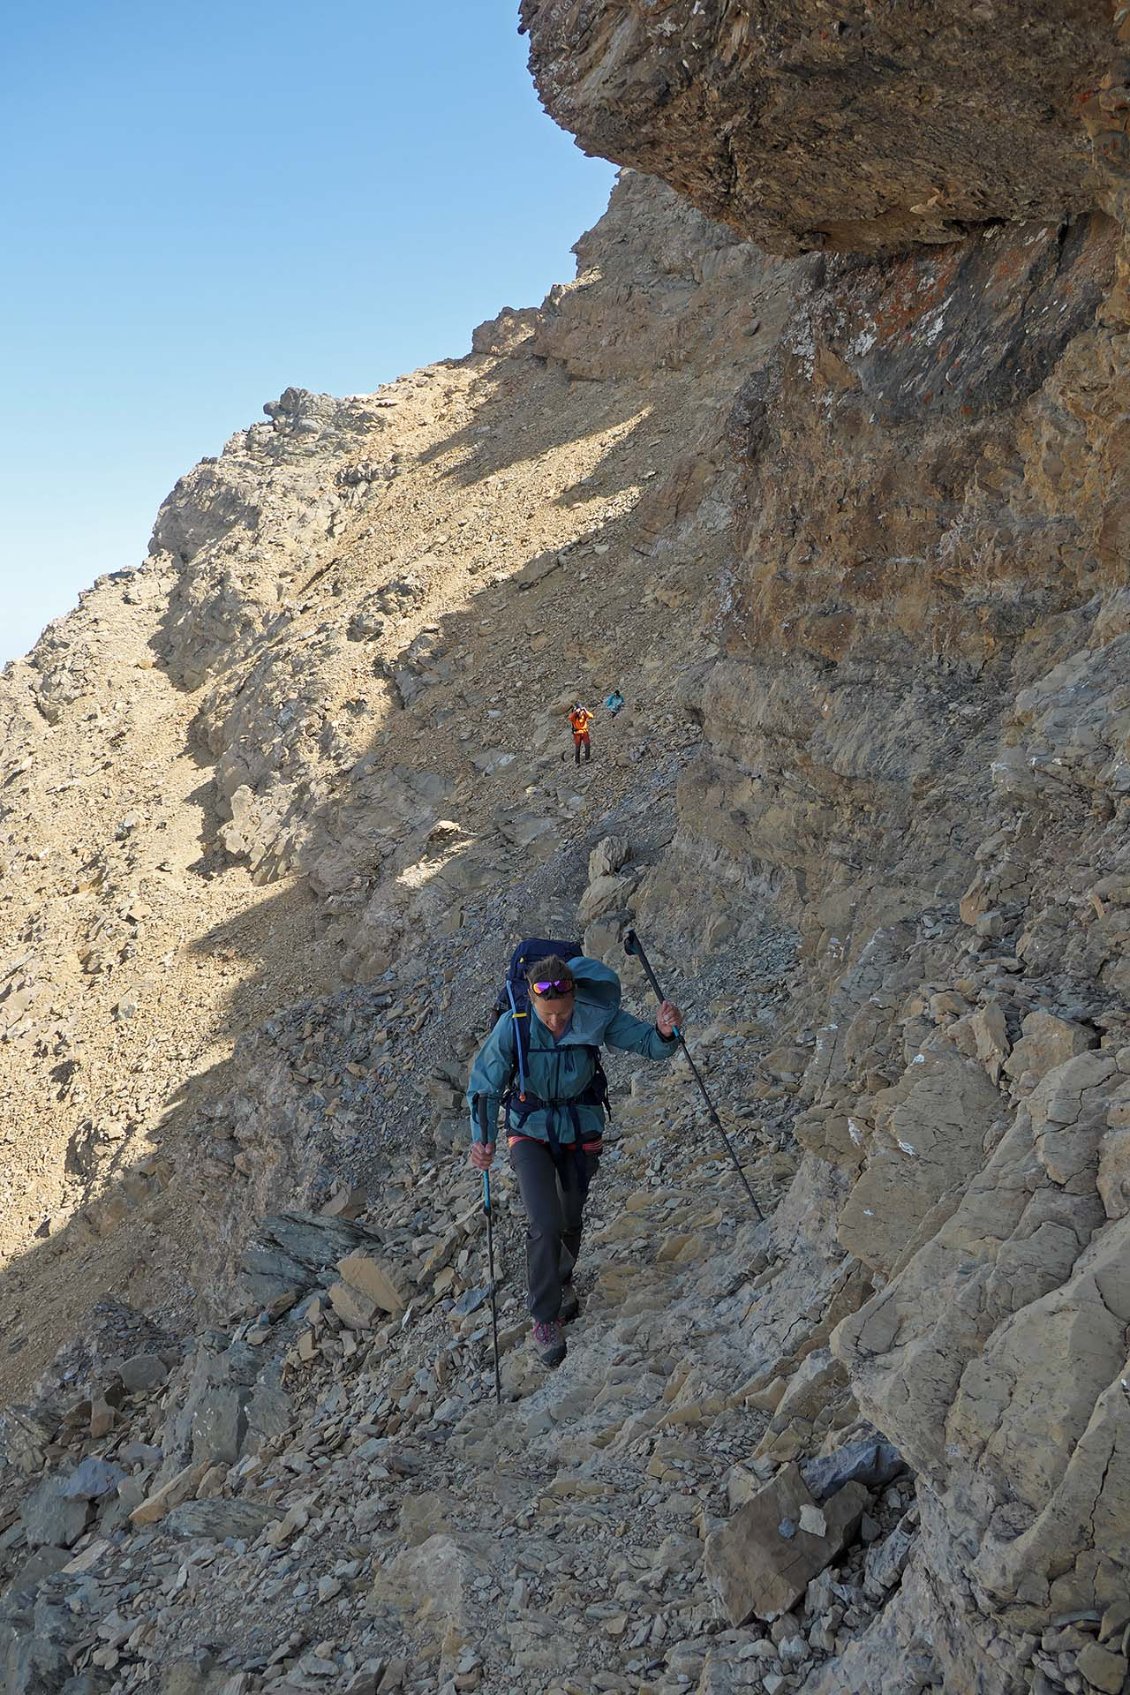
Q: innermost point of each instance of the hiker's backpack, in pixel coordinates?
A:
(513, 1002)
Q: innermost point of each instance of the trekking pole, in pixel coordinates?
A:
(633, 946)
(482, 1106)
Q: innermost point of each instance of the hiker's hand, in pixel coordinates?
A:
(668, 1019)
(482, 1153)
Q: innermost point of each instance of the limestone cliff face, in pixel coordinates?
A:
(916, 743)
(916, 737)
(809, 125)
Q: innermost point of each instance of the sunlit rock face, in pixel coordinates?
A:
(815, 125)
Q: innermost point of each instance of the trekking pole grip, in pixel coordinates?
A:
(633, 946)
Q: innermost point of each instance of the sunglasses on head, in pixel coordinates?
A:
(552, 988)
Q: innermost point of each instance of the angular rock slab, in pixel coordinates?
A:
(23, 1438)
(433, 1581)
(761, 1562)
(52, 1517)
(218, 1519)
(352, 1306)
(142, 1373)
(92, 1479)
(373, 1279)
(870, 1460)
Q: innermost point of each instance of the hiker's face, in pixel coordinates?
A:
(554, 1011)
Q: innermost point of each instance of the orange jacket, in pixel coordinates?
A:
(580, 720)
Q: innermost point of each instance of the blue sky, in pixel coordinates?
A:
(205, 203)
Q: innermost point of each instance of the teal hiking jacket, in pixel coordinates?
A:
(562, 1070)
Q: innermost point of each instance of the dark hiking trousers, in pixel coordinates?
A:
(554, 1205)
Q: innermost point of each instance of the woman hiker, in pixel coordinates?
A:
(554, 1134)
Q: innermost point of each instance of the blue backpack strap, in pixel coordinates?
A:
(516, 998)
(517, 1014)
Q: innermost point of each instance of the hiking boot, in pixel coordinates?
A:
(570, 1305)
(549, 1343)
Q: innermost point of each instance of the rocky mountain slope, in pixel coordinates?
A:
(849, 532)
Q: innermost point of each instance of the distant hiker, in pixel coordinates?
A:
(579, 721)
(614, 701)
(541, 1063)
